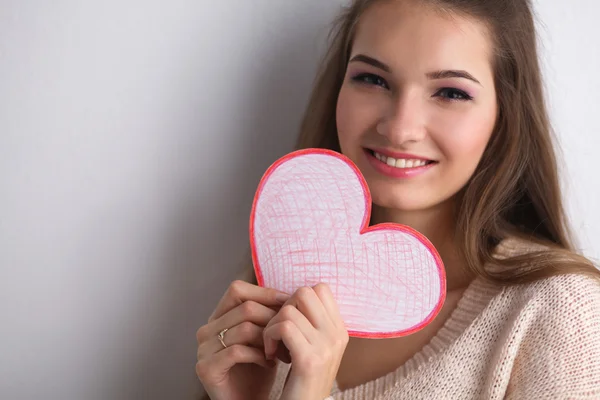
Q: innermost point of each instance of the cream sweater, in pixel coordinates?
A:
(535, 341)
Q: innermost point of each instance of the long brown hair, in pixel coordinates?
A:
(515, 189)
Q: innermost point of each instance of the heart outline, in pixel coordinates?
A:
(364, 228)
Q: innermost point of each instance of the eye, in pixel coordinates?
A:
(371, 79)
(453, 94)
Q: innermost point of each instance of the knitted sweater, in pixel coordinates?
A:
(534, 341)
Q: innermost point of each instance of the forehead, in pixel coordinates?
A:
(400, 31)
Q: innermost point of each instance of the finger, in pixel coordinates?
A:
(240, 292)
(306, 300)
(287, 332)
(220, 363)
(249, 311)
(289, 313)
(323, 291)
(246, 333)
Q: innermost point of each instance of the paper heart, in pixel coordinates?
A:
(310, 224)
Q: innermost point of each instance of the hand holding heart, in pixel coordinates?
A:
(231, 369)
(312, 329)
(308, 324)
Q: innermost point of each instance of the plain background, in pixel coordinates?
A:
(132, 137)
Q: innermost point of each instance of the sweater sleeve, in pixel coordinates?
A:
(559, 356)
(282, 372)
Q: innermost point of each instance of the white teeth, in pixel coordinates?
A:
(401, 162)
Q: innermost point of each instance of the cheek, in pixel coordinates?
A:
(467, 138)
(346, 119)
(355, 116)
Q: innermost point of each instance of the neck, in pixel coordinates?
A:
(438, 225)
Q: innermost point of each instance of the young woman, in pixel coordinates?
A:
(440, 104)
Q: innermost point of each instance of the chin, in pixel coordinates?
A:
(399, 202)
(405, 199)
(401, 206)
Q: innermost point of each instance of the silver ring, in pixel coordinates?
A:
(221, 337)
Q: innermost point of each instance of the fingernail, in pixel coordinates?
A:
(282, 297)
(268, 354)
(267, 349)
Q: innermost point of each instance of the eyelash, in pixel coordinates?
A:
(379, 81)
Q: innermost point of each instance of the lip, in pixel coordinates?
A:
(393, 172)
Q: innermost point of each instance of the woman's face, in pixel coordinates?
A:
(418, 104)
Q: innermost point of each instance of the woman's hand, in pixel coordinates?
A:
(310, 326)
(238, 369)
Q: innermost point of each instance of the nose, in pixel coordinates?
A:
(403, 123)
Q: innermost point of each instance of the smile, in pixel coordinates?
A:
(401, 166)
(401, 162)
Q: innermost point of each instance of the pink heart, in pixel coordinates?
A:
(310, 224)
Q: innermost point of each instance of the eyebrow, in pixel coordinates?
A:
(442, 74)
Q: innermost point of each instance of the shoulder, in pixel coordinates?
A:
(557, 331)
(566, 301)
(550, 341)
(567, 294)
